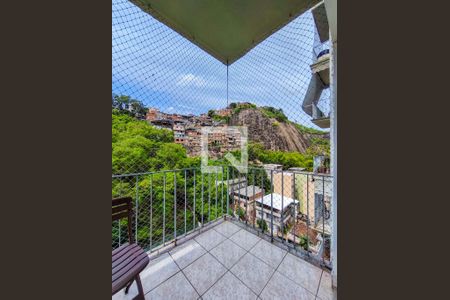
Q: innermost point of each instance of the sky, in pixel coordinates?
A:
(154, 64)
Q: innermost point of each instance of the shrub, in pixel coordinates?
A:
(304, 129)
(304, 242)
(241, 213)
(274, 113)
(262, 224)
(287, 228)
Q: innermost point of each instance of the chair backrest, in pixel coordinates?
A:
(121, 208)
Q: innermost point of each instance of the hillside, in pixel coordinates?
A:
(273, 130)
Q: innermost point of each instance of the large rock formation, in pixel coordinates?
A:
(273, 134)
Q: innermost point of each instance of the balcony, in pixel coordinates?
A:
(203, 243)
(261, 233)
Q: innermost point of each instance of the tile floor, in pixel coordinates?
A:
(227, 262)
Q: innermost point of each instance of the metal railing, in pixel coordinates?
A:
(291, 207)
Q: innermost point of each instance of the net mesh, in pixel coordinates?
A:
(161, 77)
(155, 65)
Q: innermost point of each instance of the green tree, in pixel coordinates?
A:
(274, 113)
(170, 156)
(127, 105)
(135, 144)
(211, 113)
(256, 151)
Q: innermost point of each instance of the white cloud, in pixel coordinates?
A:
(192, 80)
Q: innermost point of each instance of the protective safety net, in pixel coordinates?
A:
(155, 65)
(165, 88)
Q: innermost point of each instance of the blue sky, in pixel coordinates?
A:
(156, 65)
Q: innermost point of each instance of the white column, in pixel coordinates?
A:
(331, 9)
(333, 134)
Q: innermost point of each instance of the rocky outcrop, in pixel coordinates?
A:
(274, 135)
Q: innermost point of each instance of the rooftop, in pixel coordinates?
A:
(234, 181)
(270, 166)
(225, 260)
(277, 199)
(297, 169)
(250, 190)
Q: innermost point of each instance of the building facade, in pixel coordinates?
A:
(280, 207)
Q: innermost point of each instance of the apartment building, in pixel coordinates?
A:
(154, 114)
(283, 183)
(217, 138)
(233, 140)
(283, 210)
(179, 133)
(272, 167)
(162, 124)
(193, 138)
(225, 112)
(323, 193)
(314, 193)
(245, 198)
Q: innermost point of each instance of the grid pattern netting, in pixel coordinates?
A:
(154, 64)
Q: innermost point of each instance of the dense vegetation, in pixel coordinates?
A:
(161, 195)
(319, 146)
(274, 113)
(237, 107)
(256, 152)
(129, 106)
(138, 147)
(304, 129)
(212, 114)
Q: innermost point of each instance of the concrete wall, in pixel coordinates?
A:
(305, 190)
(334, 166)
(283, 184)
(331, 9)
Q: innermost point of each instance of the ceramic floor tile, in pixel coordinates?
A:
(210, 239)
(120, 295)
(229, 287)
(325, 289)
(301, 272)
(177, 287)
(228, 253)
(280, 287)
(253, 272)
(187, 253)
(268, 252)
(245, 239)
(227, 229)
(204, 272)
(157, 271)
